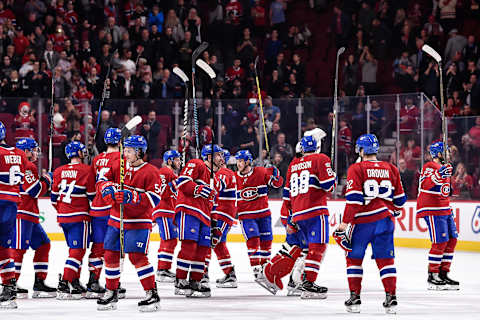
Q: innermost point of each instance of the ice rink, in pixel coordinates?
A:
(249, 301)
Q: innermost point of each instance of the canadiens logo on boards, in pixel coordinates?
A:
(249, 194)
(476, 220)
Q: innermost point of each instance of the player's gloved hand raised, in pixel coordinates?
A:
(445, 171)
(127, 197)
(108, 192)
(215, 234)
(275, 172)
(342, 239)
(203, 191)
(47, 177)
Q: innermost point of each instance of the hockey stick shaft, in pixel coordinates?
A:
(51, 130)
(335, 112)
(122, 206)
(202, 47)
(259, 92)
(185, 125)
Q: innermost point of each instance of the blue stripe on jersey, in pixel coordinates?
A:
(53, 197)
(399, 200)
(155, 198)
(90, 196)
(181, 180)
(34, 190)
(262, 191)
(286, 193)
(436, 188)
(383, 191)
(355, 197)
(230, 194)
(79, 190)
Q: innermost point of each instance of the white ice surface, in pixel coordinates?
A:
(249, 301)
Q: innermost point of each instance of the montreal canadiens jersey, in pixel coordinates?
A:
(225, 208)
(252, 194)
(166, 207)
(103, 164)
(144, 180)
(194, 173)
(31, 189)
(12, 171)
(433, 192)
(374, 191)
(309, 180)
(72, 188)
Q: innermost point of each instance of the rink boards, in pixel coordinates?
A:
(409, 232)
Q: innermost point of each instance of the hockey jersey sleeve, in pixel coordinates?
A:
(431, 179)
(33, 185)
(55, 188)
(399, 197)
(354, 194)
(326, 176)
(286, 209)
(90, 185)
(149, 198)
(186, 180)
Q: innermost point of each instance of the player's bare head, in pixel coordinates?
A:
(135, 149)
(244, 160)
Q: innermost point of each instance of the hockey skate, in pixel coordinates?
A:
(122, 292)
(257, 271)
(353, 303)
(450, 283)
(313, 291)
(94, 289)
(66, 291)
(262, 280)
(78, 285)
(151, 303)
(165, 276)
(182, 287)
(435, 282)
(108, 301)
(199, 290)
(21, 293)
(8, 297)
(294, 289)
(390, 304)
(228, 281)
(41, 290)
(205, 280)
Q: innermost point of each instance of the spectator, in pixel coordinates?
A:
(344, 146)
(262, 160)
(72, 117)
(144, 88)
(281, 165)
(272, 112)
(60, 152)
(365, 17)
(227, 141)
(150, 130)
(105, 123)
(50, 56)
(186, 48)
(167, 85)
(25, 123)
(20, 41)
(359, 120)
(94, 83)
(456, 43)
(253, 115)
(259, 18)
(272, 135)
(249, 139)
(65, 65)
(407, 177)
(431, 80)
(235, 71)
(472, 139)
(167, 48)
(127, 84)
(172, 22)
(193, 24)
(298, 69)
(206, 134)
(379, 36)
(471, 50)
(409, 114)
(411, 154)
(127, 62)
(234, 10)
(275, 85)
(36, 81)
(114, 30)
(282, 147)
(462, 182)
(277, 15)
(340, 26)
(350, 75)
(12, 87)
(204, 112)
(377, 118)
(448, 14)
(246, 50)
(453, 79)
(273, 46)
(369, 71)
(83, 94)
(156, 18)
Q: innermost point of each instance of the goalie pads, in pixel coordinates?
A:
(281, 264)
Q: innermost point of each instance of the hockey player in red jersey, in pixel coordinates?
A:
(139, 196)
(72, 188)
(193, 219)
(304, 212)
(12, 171)
(253, 211)
(105, 162)
(434, 206)
(29, 232)
(374, 196)
(224, 214)
(164, 214)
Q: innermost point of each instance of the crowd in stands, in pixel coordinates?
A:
(77, 42)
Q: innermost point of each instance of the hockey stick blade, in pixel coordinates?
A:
(202, 47)
(135, 121)
(205, 67)
(340, 51)
(179, 72)
(431, 52)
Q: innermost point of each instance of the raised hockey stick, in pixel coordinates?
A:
(135, 121)
(333, 147)
(179, 72)
(205, 67)
(51, 129)
(261, 108)
(202, 47)
(434, 54)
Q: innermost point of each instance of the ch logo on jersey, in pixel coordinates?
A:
(249, 194)
(476, 220)
(445, 190)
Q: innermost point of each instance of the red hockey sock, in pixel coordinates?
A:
(313, 260)
(145, 270)
(7, 266)
(265, 248)
(185, 257)
(165, 254)
(388, 274)
(40, 261)
(354, 274)
(197, 267)
(95, 259)
(208, 257)
(448, 255)
(253, 245)
(112, 269)
(18, 259)
(435, 256)
(73, 264)
(223, 257)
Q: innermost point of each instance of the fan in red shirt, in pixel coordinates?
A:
(234, 10)
(235, 71)
(20, 42)
(58, 39)
(408, 117)
(25, 122)
(462, 182)
(83, 93)
(411, 153)
(6, 14)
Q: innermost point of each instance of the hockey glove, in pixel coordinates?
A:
(47, 178)
(127, 197)
(342, 239)
(108, 192)
(203, 191)
(215, 234)
(173, 189)
(445, 171)
(291, 226)
(275, 173)
(397, 213)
